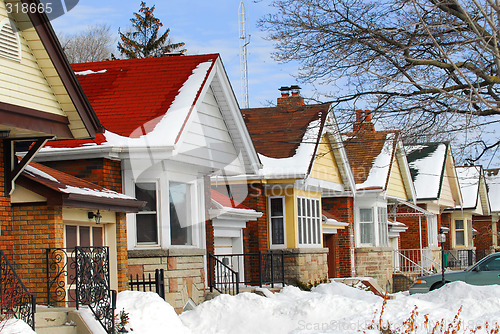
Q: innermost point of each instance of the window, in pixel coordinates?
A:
(383, 226)
(277, 220)
(366, 227)
(432, 230)
(459, 233)
(180, 222)
(309, 221)
(146, 221)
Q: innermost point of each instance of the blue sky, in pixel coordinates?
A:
(205, 27)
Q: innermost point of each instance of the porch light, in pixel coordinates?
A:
(96, 216)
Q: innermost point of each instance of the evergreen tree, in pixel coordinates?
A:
(143, 41)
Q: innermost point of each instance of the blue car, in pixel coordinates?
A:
(485, 272)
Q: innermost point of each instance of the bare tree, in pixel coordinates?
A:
(432, 63)
(93, 44)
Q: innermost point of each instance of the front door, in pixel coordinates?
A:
(79, 236)
(330, 242)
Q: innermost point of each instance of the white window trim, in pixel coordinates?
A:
(271, 245)
(358, 223)
(464, 230)
(149, 245)
(319, 233)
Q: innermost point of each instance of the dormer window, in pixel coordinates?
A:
(10, 45)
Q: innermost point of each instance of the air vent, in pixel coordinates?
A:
(10, 47)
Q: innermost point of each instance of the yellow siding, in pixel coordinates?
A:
(34, 82)
(23, 83)
(447, 196)
(325, 166)
(291, 194)
(396, 186)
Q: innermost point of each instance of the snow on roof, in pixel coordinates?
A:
(426, 162)
(468, 178)
(377, 177)
(87, 72)
(492, 177)
(68, 184)
(297, 164)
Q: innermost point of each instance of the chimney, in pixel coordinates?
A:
(363, 122)
(287, 100)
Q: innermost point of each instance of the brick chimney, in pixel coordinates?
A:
(287, 100)
(363, 121)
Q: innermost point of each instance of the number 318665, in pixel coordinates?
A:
(29, 8)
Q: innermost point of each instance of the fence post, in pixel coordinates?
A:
(210, 278)
(283, 267)
(260, 269)
(160, 282)
(272, 269)
(237, 282)
(77, 292)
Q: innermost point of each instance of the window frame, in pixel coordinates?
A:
(312, 223)
(157, 213)
(372, 242)
(270, 223)
(190, 212)
(462, 230)
(383, 227)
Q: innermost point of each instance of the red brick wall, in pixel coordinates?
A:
(255, 235)
(5, 212)
(36, 227)
(104, 172)
(484, 239)
(410, 239)
(343, 210)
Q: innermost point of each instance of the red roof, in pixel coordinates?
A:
(226, 201)
(127, 94)
(278, 131)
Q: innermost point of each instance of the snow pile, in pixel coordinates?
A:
(428, 169)
(148, 313)
(15, 326)
(468, 178)
(329, 308)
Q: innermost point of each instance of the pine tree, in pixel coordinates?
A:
(143, 41)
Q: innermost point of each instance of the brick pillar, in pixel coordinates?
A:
(6, 241)
(121, 251)
(343, 210)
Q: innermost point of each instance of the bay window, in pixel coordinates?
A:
(309, 221)
(180, 221)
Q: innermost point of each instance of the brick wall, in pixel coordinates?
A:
(104, 172)
(343, 210)
(305, 265)
(5, 211)
(410, 239)
(255, 235)
(36, 228)
(486, 233)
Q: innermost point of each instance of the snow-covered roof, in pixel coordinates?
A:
(492, 177)
(72, 189)
(427, 163)
(469, 180)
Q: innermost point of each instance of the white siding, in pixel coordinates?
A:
(207, 141)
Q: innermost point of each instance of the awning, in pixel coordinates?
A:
(418, 211)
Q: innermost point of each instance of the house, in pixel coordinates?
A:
(41, 99)
(437, 188)
(383, 183)
(475, 204)
(487, 237)
(302, 164)
(170, 123)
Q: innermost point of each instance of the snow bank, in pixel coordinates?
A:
(148, 313)
(15, 326)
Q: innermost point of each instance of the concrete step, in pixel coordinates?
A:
(57, 330)
(50, 320)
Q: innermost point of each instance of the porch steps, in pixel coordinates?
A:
(54, 321)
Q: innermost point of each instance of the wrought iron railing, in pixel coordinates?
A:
(81, 276)
(263, 268)
(147, 284)
(462, 258)
(221, 277)
(15, 299)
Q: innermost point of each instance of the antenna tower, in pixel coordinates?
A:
(243, 55)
